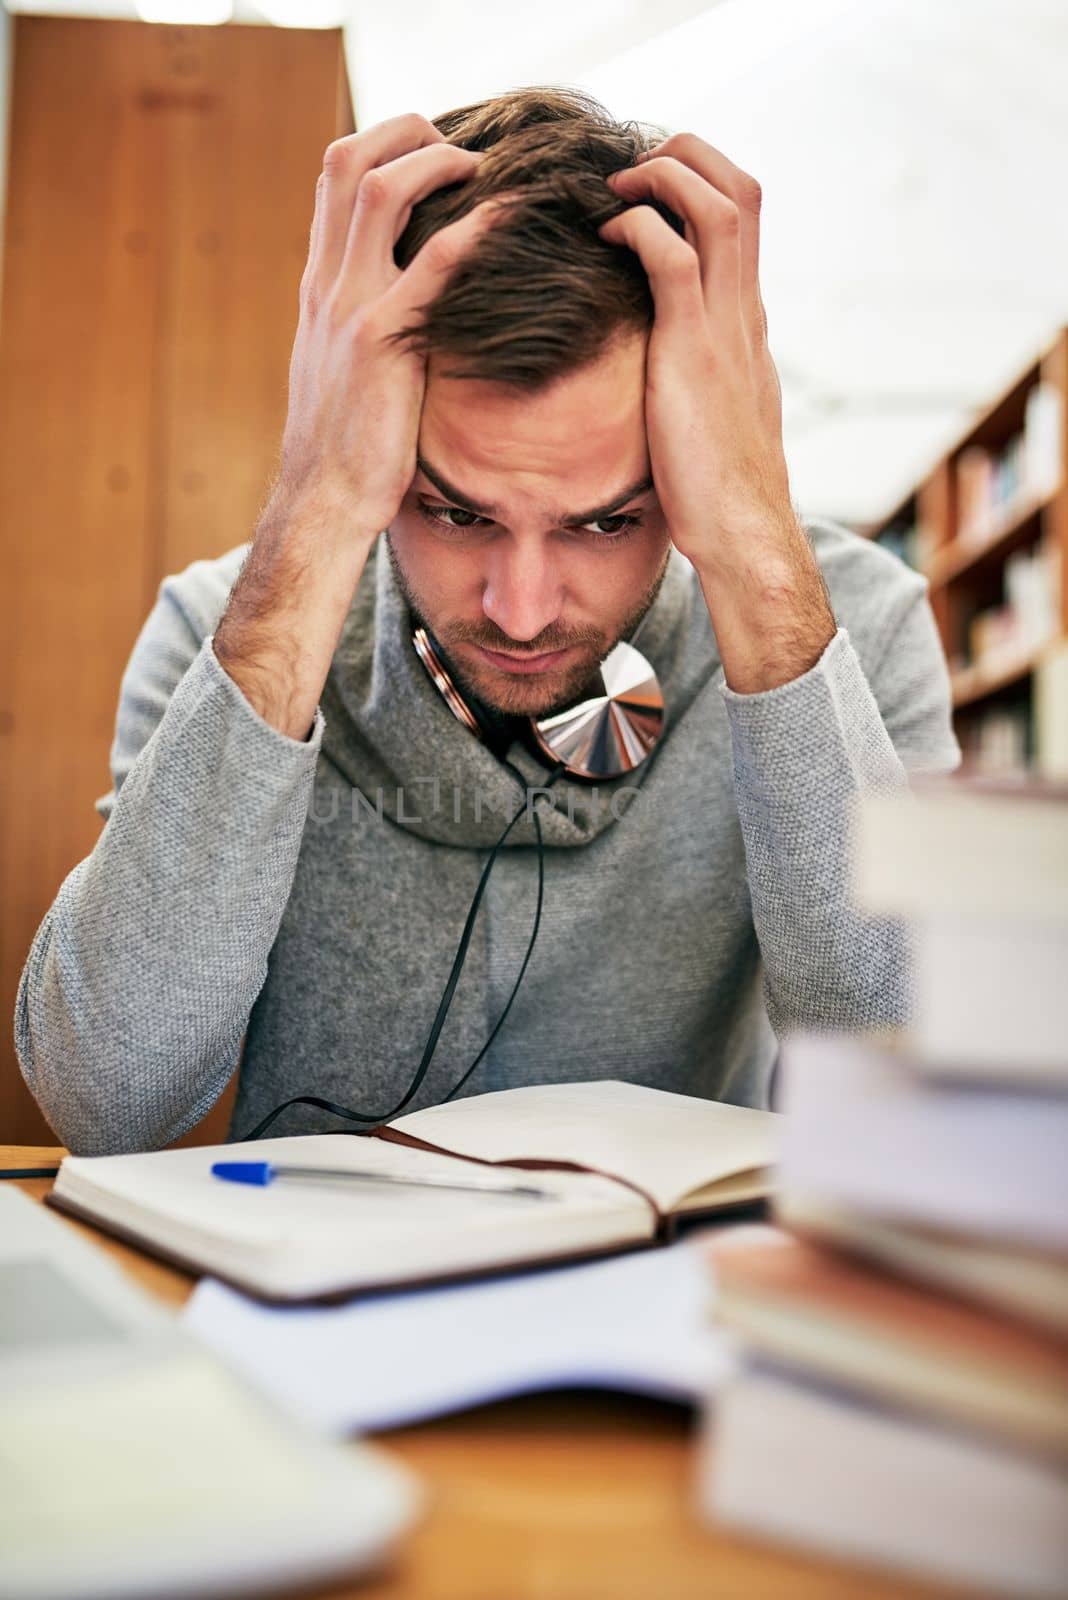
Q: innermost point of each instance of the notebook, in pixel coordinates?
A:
(619, 1162)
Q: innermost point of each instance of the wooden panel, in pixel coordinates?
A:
(159, 199)
(78, 332)
(241, 173)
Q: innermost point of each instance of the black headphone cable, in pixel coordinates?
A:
(450, 987)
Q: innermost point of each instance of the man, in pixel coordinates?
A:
(532, 349)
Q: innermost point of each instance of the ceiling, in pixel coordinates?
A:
(912, 156)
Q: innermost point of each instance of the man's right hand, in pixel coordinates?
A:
(355, 399)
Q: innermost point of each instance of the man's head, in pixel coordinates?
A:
(532, 524)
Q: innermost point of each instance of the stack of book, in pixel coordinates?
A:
(901, 1393)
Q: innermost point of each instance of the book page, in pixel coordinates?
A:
(666, 1144)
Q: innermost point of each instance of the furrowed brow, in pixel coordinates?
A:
(641, 487)
(465, 502)
(443, 486)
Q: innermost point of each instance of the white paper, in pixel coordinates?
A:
(637, 1322)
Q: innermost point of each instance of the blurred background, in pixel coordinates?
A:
(157, 175)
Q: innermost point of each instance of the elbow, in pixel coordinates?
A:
(60, 1066)
(855, 985)
(31, 1042)
(57, 1083)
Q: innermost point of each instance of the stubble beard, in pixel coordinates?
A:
(524, 696)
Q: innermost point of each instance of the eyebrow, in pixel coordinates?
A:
(464, 501)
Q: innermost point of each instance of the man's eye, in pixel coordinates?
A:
(450, 516)
(610, 526)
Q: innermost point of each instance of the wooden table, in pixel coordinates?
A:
(576, 1496)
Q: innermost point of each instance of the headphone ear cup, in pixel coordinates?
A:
(610, 733)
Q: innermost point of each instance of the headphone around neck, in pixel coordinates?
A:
(601, 737)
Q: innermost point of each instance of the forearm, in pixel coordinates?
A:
(769, 606)
(278, 635)
(802, 751)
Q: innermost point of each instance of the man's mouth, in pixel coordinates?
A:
(507, 662)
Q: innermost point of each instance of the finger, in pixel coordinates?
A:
(712, 165)
(712, 228)
(344, 164)
(671, 265)
(384, 201)
(313, 237)
(434, 263)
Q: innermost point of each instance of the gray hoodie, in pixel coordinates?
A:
(308, 896)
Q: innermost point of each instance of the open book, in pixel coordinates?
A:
(618, 1162)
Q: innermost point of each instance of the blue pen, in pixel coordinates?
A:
(264, 1172)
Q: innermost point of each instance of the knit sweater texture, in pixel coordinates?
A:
(294, 906)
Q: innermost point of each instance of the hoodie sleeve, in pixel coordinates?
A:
(139, 982)
(802, 752)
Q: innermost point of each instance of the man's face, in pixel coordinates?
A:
(531, 540)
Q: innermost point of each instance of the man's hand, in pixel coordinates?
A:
(355, 396)
(355, 399)
(714, 412)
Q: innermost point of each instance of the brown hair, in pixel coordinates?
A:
(541, 294)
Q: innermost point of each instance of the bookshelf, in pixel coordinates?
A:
(988, 528)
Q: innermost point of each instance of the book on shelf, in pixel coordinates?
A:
(998, 741)
(992, 485)
(1032, 581)
(975, 492)
(618, 1164)
(1043, 454)
(1026, 620)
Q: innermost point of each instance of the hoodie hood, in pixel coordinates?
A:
(390, 734)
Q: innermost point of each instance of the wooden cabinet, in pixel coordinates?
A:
(160, 193)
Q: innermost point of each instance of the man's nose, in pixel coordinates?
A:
(523, 593)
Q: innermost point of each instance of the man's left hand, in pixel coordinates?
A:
(713, 412)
